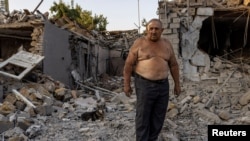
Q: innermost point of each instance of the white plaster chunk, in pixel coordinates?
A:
(245, 99)
(190, 71)
(244, 119)
(189, 43)
(197, 23)
(208, 11)
(199, 58)
(237, 74)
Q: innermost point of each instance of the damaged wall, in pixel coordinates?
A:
(58, 55)
(72, 57)
(66, 47)
(183, 21)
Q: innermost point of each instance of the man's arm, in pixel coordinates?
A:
(128, 68)
(175, 74)
(174, 70)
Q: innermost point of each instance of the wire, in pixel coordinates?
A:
(246, 30)
(215, 41)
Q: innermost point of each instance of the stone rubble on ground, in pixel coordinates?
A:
(60, 116)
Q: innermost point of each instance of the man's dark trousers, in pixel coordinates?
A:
(151, 107)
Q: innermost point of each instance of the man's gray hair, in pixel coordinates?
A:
(154, 19)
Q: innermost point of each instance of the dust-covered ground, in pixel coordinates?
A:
(106, 114)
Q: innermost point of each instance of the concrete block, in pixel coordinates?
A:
(176, 50)
(165, 26)
(173, 15)
(208, 11)
(174, 25)
(6, 125)
(231, 90)
(186, 99)
(236, 85)
(44, 110)
(176, 41)
(172, 36)
(223, 74)
(165, 23)
(24, 124)
(177, 10)
(220, 80)
(209, 3)
(200, 58)
(7, 108)
(11, 98)
(209, 115)
(161, 10)
(20, 105)
(191, 11)
(234, 80)
(175, 31)
(167, 31)
(176, 20)
(162, 16)
(175, 45)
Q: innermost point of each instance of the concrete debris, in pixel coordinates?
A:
(37, 107)
(33, 131)
(111, 117)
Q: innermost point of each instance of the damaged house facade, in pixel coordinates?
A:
(68, 53)
(205, 31)
(201, 32)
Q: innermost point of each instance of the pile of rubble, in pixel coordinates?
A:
(39, 108)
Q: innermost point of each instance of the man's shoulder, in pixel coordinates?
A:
(138, 42)
(140, 39)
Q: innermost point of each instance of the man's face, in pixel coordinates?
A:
(154, 31)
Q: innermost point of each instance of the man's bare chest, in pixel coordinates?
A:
(149, 52)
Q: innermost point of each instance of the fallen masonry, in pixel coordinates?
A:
(93, 112)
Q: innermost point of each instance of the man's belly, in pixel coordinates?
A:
(153, 69)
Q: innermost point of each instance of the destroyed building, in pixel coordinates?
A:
(201, 30)
(78, 69)
(70, 51)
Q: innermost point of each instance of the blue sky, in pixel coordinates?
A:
(121, 14)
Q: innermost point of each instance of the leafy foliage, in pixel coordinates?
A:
(83, 17)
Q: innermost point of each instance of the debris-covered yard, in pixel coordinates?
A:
(102, 112)
(60, 82)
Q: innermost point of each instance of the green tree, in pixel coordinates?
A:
(85, 19)
(100, 22)
(61, 9)
(82, 17)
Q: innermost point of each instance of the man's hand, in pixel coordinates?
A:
(177, 90)
(127, 90)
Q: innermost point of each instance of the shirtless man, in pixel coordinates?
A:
(150, 59)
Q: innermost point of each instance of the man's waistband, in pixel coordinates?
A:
(155, 81)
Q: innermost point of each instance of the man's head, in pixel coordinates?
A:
(154, 30)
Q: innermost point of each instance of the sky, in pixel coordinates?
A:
(121, 14)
